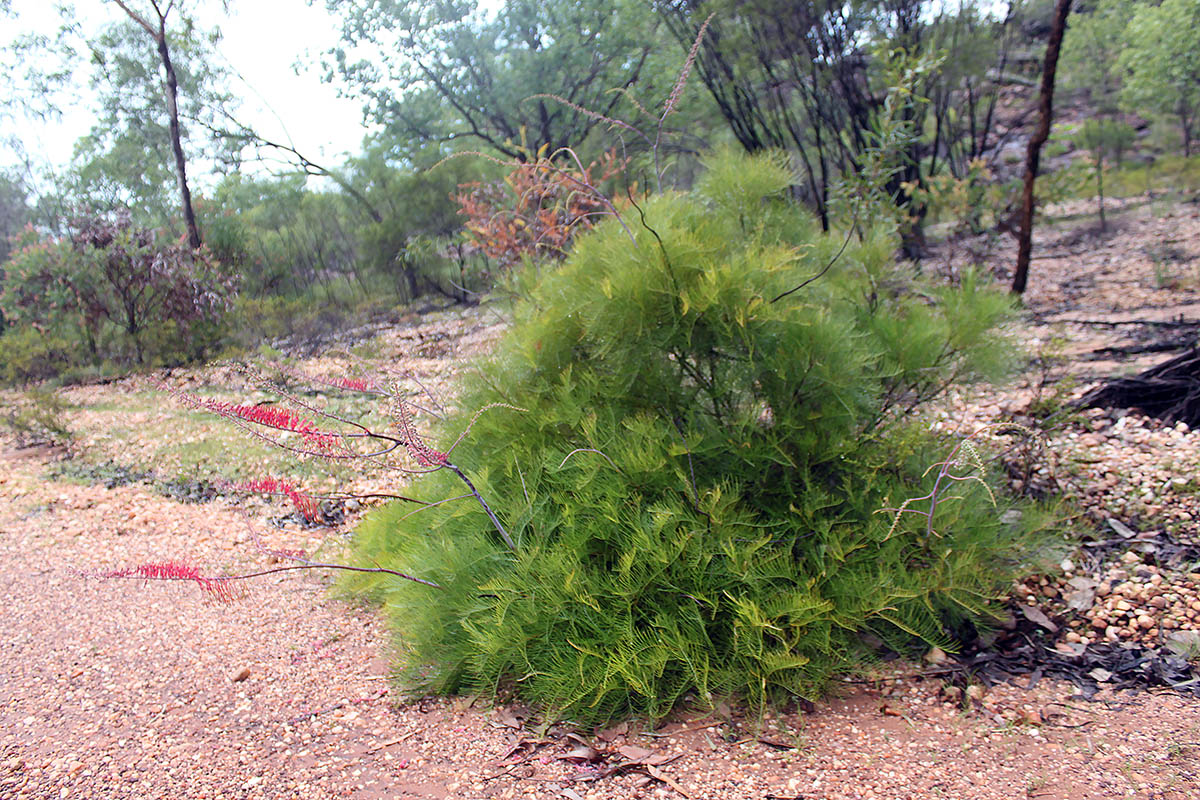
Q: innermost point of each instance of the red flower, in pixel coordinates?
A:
(305, 504)
(218, 588)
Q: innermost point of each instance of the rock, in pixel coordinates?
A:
(241, 676)
(935, 656)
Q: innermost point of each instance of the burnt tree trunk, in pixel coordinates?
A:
(1169, 391)
(1034, 153)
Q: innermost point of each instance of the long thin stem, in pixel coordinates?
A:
(483, 503)
(290, 568)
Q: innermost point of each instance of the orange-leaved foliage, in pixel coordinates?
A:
(539, 207)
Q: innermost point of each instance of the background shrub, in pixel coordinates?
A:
(37, 417)
(124, 293)
(693, 487)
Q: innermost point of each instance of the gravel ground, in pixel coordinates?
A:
(118, 689)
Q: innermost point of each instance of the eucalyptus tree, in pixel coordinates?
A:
(155, 79)
(134, 155)
(1091, 51)
(801, 76)
(1033, 153)
(456, 74)
(153, 18)
(1161, 62)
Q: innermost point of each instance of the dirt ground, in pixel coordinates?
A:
(113, 688)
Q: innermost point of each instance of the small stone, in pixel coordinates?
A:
(241, 676)
(1131, 557)
(976, 691)
(1145, 622)
(935, 656)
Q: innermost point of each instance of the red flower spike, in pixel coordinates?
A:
(277, 418)
(305, 504)
(217, 588)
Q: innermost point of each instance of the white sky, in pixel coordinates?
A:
(263, 40)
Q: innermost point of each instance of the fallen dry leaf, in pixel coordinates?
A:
(634, 753)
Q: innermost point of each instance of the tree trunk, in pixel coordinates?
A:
(171, 95)
(172, 92)
(1033, 155)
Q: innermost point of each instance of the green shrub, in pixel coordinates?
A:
(38, 416)
(28, 355)
(692, 486)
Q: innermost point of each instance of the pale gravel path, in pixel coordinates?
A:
(113, 689)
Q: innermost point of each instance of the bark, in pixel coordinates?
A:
(1033, 154)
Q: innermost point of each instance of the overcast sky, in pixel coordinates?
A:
(263, 40)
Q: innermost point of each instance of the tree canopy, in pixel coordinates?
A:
(1162, 63)
(451, 71)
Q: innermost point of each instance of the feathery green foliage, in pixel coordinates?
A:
(694, 485)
